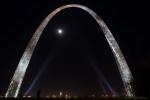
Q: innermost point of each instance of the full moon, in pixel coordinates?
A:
(60, 31)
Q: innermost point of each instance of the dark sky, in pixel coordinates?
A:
(66, 60)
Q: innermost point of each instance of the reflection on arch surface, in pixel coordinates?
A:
(19, 74)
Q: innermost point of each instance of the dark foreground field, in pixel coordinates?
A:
(101, 98)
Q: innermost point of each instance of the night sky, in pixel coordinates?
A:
(67, 62)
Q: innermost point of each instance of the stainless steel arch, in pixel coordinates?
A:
(124, 70)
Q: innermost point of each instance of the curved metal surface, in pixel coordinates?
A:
(19, 74)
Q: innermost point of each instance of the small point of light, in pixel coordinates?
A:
(47, 96)
(29, 96)
(54, 96)
(60, 94)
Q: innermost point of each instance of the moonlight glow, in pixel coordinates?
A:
(59, 31)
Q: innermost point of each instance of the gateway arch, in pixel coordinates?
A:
(20, 71)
